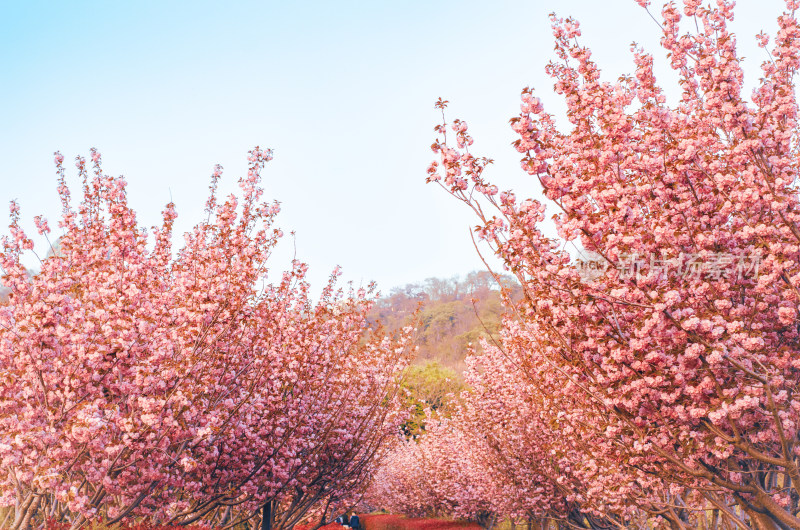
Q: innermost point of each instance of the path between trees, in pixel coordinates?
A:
(398, 522)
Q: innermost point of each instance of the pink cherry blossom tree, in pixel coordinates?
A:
(516, 448)
(439, 474)
(685, 347)
(138, 384)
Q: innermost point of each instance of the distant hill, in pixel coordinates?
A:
(455, 314)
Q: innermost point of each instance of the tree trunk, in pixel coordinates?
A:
(26, 523)
(266, 516)
(761, 521)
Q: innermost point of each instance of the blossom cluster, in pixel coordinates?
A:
(665, 398)
(182, 387)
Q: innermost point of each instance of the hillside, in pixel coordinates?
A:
(455, 314)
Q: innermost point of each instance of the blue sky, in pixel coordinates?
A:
(342, 91)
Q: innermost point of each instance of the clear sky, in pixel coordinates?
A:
(342, 91)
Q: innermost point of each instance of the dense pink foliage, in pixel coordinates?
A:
(183, 387)
(666, 384)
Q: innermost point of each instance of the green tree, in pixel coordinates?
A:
(430, 388)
